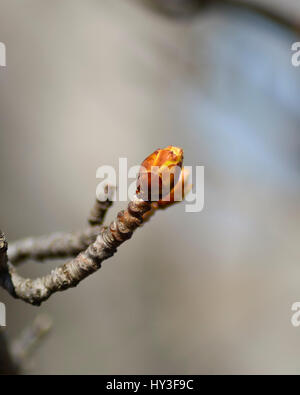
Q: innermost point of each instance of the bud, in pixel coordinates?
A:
(159, 173)
(178, 193)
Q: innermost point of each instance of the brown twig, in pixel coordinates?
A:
(62, 245)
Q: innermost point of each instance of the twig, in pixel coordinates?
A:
(87, 262)
(56, 245)
(30, 338)
(13, 359)
(101, 206)
(70, 274)
(62, 245)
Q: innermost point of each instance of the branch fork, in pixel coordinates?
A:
(88, 248)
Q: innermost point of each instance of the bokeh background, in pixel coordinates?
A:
(89, 81)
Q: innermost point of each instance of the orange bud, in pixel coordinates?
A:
(178, 193)
(159, 173)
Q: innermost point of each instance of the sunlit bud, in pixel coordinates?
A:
(159, 173)
(178, 193)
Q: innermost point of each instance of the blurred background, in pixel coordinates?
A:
(89, 81)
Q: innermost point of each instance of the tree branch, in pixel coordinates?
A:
(87, 262)
(101, 242)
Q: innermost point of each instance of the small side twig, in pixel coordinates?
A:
(56, 245)
(101, 206)
(29, 339)
(14, 357)
(63, 245)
